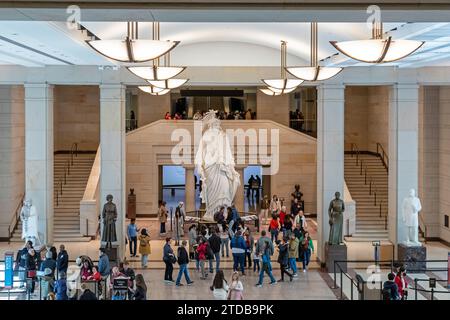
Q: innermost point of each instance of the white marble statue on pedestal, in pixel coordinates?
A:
(215, 165)
(29, 218)
(411, 207)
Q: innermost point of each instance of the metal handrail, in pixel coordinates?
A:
(383, 155)
(15, 220)
(363, 170)
(73, 150)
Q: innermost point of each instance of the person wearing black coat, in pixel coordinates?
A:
(48, 263)
(283, 258)
(62, 261)
(214, 243)
(141, 288)
(183, 261)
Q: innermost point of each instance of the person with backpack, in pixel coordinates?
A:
(390, 289)
(183, 261)
(238, 249)
(307, 248)
(265, 248)
(214, 243)
(144, 247)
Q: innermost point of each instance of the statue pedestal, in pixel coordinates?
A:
(413, 257)
(335, 252)
(112, 253)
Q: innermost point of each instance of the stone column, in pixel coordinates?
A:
(189, 189)
(330, 156)
(239, 197)
(39, 154)
(403, 153)
(112, 163)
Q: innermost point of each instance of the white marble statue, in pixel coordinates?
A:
(411, 208)
(29, 218)
(215, 165)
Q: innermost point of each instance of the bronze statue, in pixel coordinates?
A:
(335, 213)
(109, 217)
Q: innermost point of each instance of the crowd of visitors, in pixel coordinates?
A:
(48, 269)
(222, 115)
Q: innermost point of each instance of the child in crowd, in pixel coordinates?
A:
(256, 258)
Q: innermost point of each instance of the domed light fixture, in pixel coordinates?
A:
(283, 83)
(132, 49)
(156, 72)
(314, 72)
(377, 49)
(168, 83)
(154, 90)
(270, 92)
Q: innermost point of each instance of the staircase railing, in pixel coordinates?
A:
(368, 179)
(15, 219)
(73, 150)
(63, 180)
(383, 156)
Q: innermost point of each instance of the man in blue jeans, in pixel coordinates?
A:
(238, 248)
(132, 231)
(266, 267)
(183, 261)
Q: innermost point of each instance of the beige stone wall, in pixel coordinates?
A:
(76, 117)
(429, 158)
(272, 108)
(444, 160)
(12, 153)
(378, 117)
(366, 117)
(151, 146)
(356, 117)
(151, 108)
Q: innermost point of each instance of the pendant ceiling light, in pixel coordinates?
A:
(377, 49)
(156, 72)
(154, 90)
(132, 49)
(314, 72)
(269, 92)
(168, 83)
(283, 83)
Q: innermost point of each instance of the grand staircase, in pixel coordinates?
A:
(66, 227)
(370, 226)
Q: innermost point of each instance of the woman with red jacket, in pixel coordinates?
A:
(400, 280)
(201, 251)
(274, 227)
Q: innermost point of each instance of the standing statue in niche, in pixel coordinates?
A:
(335, 213)
(411, 207)
(215, 165)
(109, 217)
(29, 218)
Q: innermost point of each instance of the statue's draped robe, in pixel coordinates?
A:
(215, 165)
(336, 210)
(29, 223)
(109, 216)
(411, 208)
